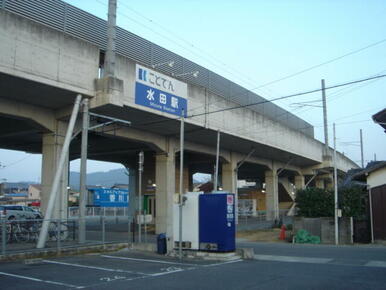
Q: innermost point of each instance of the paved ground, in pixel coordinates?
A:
(283, 266)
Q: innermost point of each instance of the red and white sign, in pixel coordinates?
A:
(230, 200)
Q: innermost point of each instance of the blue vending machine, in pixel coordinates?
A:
(217, 222)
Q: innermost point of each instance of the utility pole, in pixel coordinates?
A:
(361, 140)
(217, 159)
(140, 171)
(182, 131)
(111, 37)
(335, 193)
(55, 184)
(83, 174)
(325, 124)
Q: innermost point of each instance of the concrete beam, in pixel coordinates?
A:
(156, 142)
(43, 117)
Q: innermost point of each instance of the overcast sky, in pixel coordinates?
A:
(256, 42)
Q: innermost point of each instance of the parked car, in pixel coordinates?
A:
(19, 212)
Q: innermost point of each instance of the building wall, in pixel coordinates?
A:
(260, 199)
(33, 192)
(377, 178)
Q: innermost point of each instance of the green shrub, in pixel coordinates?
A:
(314, 202)
(352, 201)
(317, 202)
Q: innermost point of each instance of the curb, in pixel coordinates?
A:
(63, 252)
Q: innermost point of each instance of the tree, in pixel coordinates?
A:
(314, 202)
(352, 201)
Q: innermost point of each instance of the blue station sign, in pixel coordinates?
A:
(106, 197)
(160, 92)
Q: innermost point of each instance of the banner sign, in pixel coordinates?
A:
(160, 92)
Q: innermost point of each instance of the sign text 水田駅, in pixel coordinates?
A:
(160, 92)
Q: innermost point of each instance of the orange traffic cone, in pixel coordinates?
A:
(282, 232)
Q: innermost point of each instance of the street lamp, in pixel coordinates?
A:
(193, 73)
(170, 63)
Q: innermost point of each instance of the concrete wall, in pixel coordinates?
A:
(245, 123)
(36, 52)
(377, 178)
(325, 228)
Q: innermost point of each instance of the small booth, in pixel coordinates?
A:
(208, 222)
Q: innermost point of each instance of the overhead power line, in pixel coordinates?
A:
(211, 58)
(320, 64)
(267, 101)
(290, 96)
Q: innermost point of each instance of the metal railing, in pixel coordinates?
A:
(73, 212)
(17, 235)
(21, 236)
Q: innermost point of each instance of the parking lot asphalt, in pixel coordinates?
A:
(93, 271)
(129, 269)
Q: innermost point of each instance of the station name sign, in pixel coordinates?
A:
(160, 92)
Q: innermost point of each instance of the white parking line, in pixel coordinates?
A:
(223, 263)
(381, 264)
(41, 280)
(292, 259)
(94, 267)
(147, 260)
(166, 273)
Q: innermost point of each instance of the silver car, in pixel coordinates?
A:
(19, 212)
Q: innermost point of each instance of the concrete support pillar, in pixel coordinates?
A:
(229, 182)
(319, 183)
(52, 146)
(272, 194)
(165, 179)
(299, 182)
(186, 178)
(229, 177)
(190, 175)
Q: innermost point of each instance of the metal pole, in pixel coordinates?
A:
(58, 235)
(3, 236)
(361, 139)
(140, 169)
(111, 36)
(325, 117)
(217, 158)
(145, 226)
(128, 230)
(83, 175)
(181, 184)
(103, 232)
(335, 192)
(55, 185)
